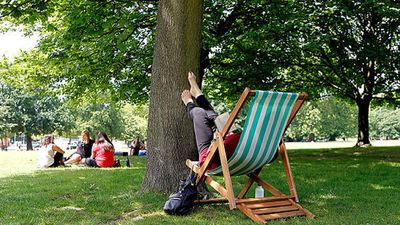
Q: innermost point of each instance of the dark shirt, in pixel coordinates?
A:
(85, 150)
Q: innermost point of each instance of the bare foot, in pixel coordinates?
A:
(186, 97)
(194, 88)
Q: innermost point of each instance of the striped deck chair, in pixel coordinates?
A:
(269, 115)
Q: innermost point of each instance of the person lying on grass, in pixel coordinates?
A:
(83, 150)
(102, 152)
(50, 155)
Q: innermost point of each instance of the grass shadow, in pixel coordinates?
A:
(340, 186)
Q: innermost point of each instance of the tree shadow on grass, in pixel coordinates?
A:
(349, 186)
(340, 187)
(80, 195)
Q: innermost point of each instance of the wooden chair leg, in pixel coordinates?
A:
(267, 186)
(248, 184)
(246, 188)
(288, 171)
(225, 171)
(202, 170)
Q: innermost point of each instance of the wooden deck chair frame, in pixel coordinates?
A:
(258, 209)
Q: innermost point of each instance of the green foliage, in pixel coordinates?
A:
(283, 45)
(306, 124)
(32, 114)
(385, 123)
(348, 48)
(247, 43)
(30, 74)
(134, 118)
(28, 71)
(345, 48)
(6, 116)
(96, 117)
(326, 119)
(92, 46)
(120, 122)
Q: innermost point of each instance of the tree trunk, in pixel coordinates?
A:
(363, 125)
(170, 132)
(29, 142)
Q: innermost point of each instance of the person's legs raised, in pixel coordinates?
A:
(203, 128)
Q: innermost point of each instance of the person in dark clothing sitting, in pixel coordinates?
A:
(135, 146)
(83, 150)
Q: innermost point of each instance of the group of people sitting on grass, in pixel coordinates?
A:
(98, 153)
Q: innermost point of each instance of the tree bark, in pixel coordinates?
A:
(29, 142)
(363, 125)
(170, 132)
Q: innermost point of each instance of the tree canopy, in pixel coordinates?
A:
(325, 119)
(385, 123)
(31, 114)
(345, 48)
(91, 46)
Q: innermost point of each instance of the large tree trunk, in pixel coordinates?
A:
(363, 125)
(29, 142)
(170, 132)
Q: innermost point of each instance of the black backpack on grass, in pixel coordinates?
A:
(181, 202)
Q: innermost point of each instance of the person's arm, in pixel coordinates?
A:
(57, 149)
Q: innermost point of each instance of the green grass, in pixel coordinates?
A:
(340, 186)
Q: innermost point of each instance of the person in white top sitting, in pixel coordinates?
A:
(50, 155)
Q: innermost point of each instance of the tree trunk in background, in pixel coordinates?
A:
(29, 142)
(170, 132)
(363, 125)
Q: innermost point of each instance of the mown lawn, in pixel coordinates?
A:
(340, 186)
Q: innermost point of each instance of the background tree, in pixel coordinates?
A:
(337, 119)
(32, 114)
(306, 125)
(385, 123)
(350, 48)
(134, 118)
(345, 48)
(324, 119)
(96, 117)
(6, 120)
(112, 40)
(170, 133)
(245, 45)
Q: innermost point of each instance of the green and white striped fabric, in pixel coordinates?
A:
(266, 119)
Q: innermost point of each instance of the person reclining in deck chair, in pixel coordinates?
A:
(203, 115)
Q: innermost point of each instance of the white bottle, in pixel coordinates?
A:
(259, 192)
